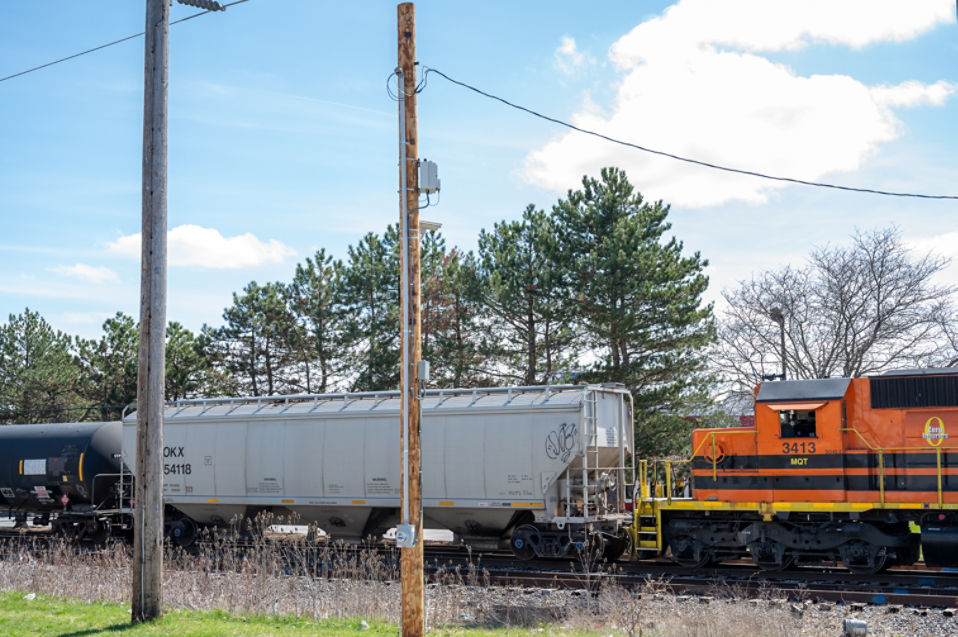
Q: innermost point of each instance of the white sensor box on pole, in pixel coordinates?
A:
(405, 536)
(428, 177)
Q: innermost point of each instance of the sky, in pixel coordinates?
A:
(283, 135)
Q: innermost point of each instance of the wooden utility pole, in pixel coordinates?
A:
(411, 558)
(151, 373)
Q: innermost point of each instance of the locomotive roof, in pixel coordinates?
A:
(798, 390)
(923, 371)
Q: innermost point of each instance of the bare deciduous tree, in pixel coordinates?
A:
(850, 311)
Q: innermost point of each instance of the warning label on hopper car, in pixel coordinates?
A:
(379, 486)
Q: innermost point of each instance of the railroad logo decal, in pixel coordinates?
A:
(561, 442)
(934, 431)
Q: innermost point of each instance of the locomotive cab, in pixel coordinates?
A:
(794, 451)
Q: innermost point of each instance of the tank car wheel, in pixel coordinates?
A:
(689, 552)
(523, 540)
(94, 531)
(104, 529)
(863, 558)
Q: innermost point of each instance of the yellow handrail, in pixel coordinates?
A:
(881, 461)
(881, 476)
(938, 460)
(872, 447)
(668, 480)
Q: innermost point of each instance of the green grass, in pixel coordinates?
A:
(48, 616)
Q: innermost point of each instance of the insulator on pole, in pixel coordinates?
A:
(209, 5)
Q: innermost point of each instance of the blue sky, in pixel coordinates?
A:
(283, 138)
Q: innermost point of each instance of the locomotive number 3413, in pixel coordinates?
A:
(798, 447)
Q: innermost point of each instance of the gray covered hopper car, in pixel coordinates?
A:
(544, 468)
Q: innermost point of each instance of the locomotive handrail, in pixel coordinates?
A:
(872, 447)
(645, 491)
(711, 435)
(881, 461)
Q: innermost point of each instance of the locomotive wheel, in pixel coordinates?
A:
(862, 557)
(770, 555)
(689, 552)
(522, 542)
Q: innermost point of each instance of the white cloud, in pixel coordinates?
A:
(778, 25)
(195, 246)
(81, 318)
(940, 245)
(913, 93)
(694, 86)
(568, 58)
(89, 273)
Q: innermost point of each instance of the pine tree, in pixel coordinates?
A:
(451, 306)
(319, 321)
(38, 373)
(189, 373)
(531, 341)
(109, 367)
(641, 303)
(253, 347)
(369, 294)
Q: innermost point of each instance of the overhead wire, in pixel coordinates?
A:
(109, 44)
(688, 160)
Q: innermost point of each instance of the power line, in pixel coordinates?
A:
(109, 44)
(697, 162)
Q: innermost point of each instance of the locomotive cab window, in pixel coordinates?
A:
(797, 423)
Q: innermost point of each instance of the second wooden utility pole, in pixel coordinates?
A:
(151, 373)
(411, 557)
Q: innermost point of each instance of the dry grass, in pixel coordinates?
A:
(329, 580)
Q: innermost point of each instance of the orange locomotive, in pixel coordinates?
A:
(835, 469)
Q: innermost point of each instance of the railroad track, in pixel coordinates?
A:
(923, 587)
(912, 586)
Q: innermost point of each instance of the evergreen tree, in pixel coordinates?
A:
(640, 301)
(369, 294)
(531, 340)
(38, 373)
(253, 347)
(319, 321)
(109, 367)
(451, 306)
(189, 373)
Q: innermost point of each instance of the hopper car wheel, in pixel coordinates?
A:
(615, 547)
(594, 548)
(183, 532)
(862, 557)
(523, 540)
